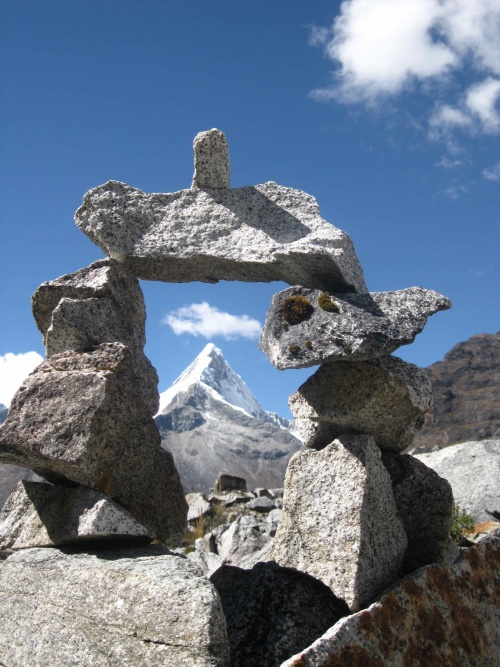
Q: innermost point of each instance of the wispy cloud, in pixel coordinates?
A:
(455, 191)
(381, 48)
(14, 368)
(492, 173)
(446, 163)
(202, 319)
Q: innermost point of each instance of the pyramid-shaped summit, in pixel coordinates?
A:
(210, 420)
(212, 372)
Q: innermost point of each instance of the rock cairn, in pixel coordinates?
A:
(356, 512)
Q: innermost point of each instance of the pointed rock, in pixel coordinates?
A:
(101, 303)
(79, 417)
(386, 398)
(339, 521)
(343, 326)
(43, 515)
(211, 160)
(253, 234)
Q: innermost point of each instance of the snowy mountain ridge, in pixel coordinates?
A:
(217, 378)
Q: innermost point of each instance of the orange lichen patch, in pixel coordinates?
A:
(485, 527)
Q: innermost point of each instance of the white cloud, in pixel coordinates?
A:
(481, 99)
(382, 47)
(446, 163)
(14, 368)
(492, 173)
(202, 319)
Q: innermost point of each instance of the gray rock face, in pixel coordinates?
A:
(425, 503)
(211, 160)
(339, 522)
(42, 515)
(79, 418)
(262, 233)
(473, 470)
(101, 303)
(108, 609)
(344, 326)
(442, 615)
(386, 398)
(271, 612)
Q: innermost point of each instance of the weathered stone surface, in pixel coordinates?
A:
(211, 160)
(262, 233)
(473, 470)
(261, 504)
(271, 612)
(42, 515)
(442, 615)
(345, 326)
(79, 418)
(142, 606)
(101, 303)
(228, 482)
(425, 504)
(339, 521)
(197, 506)
(386, 398)
(242, 543)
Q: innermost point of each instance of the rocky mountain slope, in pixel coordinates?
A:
(466, 388)
(210, 420)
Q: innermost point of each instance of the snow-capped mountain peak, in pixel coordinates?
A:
(212, 371)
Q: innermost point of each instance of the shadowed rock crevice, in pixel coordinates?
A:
(271, 611)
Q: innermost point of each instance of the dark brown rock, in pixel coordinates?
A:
(79, 418)
(442, 615)
(466, 388)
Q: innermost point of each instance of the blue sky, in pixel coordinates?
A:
(387, 111)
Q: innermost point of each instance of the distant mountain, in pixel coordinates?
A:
(210, 420)
(4, 411)
(466, 387)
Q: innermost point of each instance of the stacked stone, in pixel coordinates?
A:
(356, 512)
(85, 415)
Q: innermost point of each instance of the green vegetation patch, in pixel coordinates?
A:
(294, 349)
(326, 302)
(462, 524)
(296, 309)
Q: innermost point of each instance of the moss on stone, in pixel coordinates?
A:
(309, 344)
(326, 302)
(294, 349)
(296, 309)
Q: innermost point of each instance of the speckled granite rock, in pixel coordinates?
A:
(142, 606)
(262, 233)
(386, 398)
(425, 503)
(273, 612)
(345, 326)
(42, 515)
(79, 417)
(441, 615)
(339, 521)
(211, 160)
(473, 470)
(101, 303)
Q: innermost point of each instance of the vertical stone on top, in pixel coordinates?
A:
(211, 160)
(340, 522)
